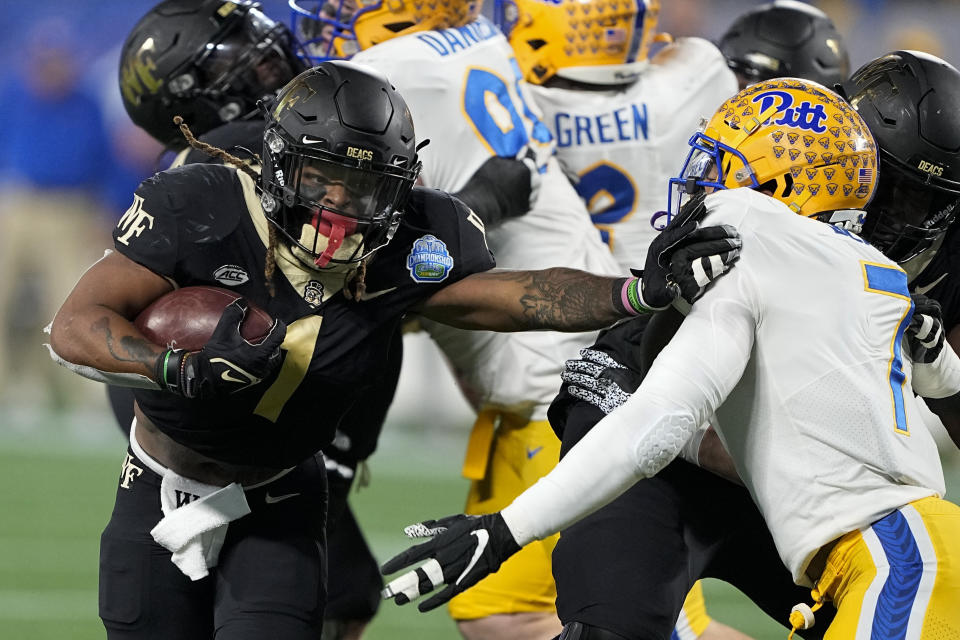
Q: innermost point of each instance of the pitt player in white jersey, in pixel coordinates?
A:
(803, 361)
(621, 123)
(463, 86)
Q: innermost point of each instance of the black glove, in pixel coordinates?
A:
(464, 550)
(684, 259)
(925, 331)
(227, 362)
(600, 380)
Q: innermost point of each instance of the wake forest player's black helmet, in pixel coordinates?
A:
(209, 61)
(909, 100)
(786, 38)
(339, 160)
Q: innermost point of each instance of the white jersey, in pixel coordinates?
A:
(464, 90)
(799, 352)
(625, 144)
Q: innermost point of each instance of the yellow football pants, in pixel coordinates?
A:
(899, 578)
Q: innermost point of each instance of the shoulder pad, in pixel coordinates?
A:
(426, 204)
(205, 199)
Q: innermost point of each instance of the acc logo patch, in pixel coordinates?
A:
(231, 275)
(429, 260)
(313, 293)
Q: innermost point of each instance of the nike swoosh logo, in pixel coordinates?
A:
(923, 290)
(375, 294)
(533, 452)
(308, 140)
(226, 375)
(483, 536)
(269, 499)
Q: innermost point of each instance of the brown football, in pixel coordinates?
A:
(185, 318)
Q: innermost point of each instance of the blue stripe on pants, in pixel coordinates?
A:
(900, 590)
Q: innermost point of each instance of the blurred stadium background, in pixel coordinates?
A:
(66, 140)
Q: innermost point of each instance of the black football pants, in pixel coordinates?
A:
(354, 575)
(270, 581)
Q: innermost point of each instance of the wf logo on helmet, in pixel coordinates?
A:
(804, 115)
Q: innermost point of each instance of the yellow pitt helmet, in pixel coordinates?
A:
(339, 28)
(793, 137)
(591, 41)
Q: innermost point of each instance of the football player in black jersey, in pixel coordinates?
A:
(336, 243)
(210, 62)
(909, 100)
(695, 524)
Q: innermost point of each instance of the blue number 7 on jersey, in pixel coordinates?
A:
(892, 281)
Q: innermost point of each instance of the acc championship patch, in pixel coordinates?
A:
(429, 260)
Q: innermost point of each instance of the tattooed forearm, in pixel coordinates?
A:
(555, 299)
(566, 300)
(130, 348)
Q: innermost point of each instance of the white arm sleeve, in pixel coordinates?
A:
(940, 378)
(107, 377)
(687, 382)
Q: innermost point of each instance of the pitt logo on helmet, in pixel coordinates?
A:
(756, 139)
(805, 115)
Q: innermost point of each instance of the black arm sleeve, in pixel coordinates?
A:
(500, 189)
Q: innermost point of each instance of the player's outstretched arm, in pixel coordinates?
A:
(500, 300)
(683, 388)
(683, 260)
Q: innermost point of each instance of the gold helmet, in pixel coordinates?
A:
(339, 28)
(591, 41)
(793, 137)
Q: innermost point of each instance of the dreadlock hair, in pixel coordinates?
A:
(215, 152)
(270, 262)
(355, 284)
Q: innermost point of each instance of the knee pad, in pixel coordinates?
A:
(581, 631)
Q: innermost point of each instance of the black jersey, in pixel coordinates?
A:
(192, 224)
(940, 279)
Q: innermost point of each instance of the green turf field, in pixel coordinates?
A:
(56, 495)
